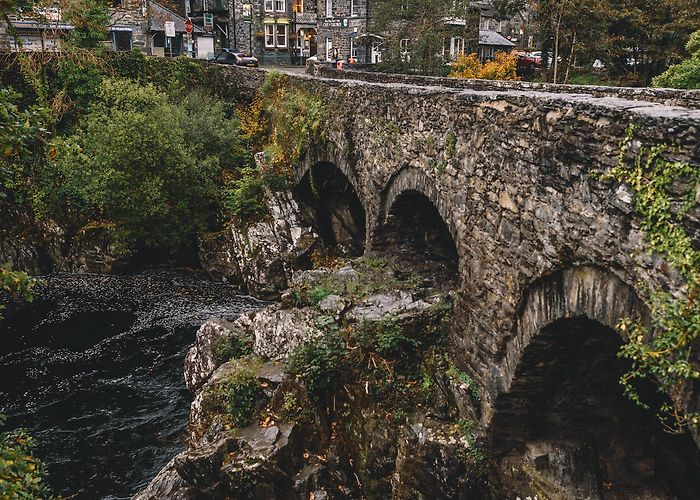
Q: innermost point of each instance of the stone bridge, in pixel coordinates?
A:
(499, 185)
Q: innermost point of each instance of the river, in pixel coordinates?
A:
(93, 369)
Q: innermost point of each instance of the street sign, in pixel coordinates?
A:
(188, 25)
(170, 29)
(208, 20)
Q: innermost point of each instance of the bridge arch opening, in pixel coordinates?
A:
(334, 208)
(564, 428)
(415, 232)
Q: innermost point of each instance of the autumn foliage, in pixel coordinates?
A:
(503, 67)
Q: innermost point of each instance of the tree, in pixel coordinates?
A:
(90, 19)
(141, 166)
(686, 74)
(423, 24)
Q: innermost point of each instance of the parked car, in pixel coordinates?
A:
(229, 56)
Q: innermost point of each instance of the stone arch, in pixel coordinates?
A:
(561, 421)
(581, 291)
(328, 195)
(413, 179)
(414, 226)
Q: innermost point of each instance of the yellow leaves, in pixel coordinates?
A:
(503, 67)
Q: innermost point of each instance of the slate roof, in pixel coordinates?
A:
(494, 38)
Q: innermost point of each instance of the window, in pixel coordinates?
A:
(280, 5)
(269, 35)
(275, 35)
(353, 49)
(269, 5)
(281, 35)
(405, 49)
(298, 6)
(329, 49)
(353, 8)
(457, 47)
(329, 8)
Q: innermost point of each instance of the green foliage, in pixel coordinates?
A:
(149, 166)
(244, 196)
(232, 346)
(320, 362)
(316, 295)
(463, 378)
(21, 475)
(242, 389)
(21, 132)
(663, 351)
(386, 337)
(686, 74)
(90, 19)
(16, 284)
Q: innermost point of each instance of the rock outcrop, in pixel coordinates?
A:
(260, 257)
(299, 441)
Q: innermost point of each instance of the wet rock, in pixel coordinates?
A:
(167, 484)
(261, 257)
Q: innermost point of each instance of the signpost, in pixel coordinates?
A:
(170, 34)
(208, 21)
(189, 27)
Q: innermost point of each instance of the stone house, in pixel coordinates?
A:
(275, 31)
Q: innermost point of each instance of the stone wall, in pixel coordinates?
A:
(670, 97)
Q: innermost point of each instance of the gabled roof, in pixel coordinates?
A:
(158, 15)
(494, 38)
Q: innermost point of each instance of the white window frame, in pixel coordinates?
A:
(353, 49)
(275, 31)
(329, 48)
(269, 5)
(280, 5)
(329, 8)
(270, 33)
(354, 11)
(279, 28)
(405, 49)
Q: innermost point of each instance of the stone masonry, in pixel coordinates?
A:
(512, 172)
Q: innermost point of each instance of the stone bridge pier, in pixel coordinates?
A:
(500, 188)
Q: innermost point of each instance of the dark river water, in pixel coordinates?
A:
(93, 369)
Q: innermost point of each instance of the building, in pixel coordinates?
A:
(134, 24)
(213, 17)
(198, 44)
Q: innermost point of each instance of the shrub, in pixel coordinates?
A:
(149, 166)
(21, 475)
(316, 295)
(242, 389)
(686, 74)
(244, 196)
(232, 346)
(16, 284)
(319, 362)
(386, 336)
(503, 67)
